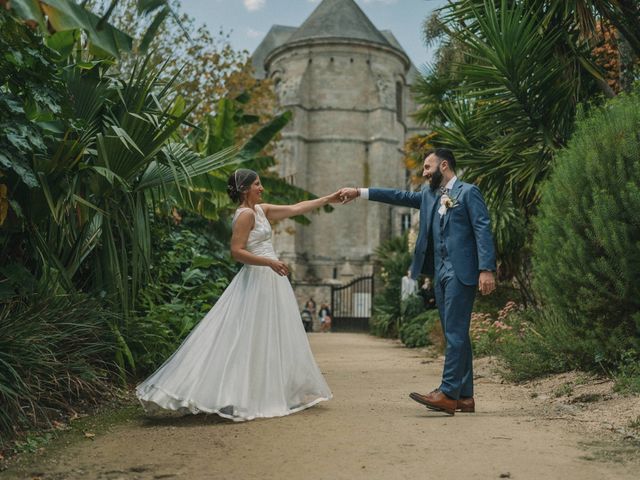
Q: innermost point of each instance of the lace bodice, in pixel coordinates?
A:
(259, 241)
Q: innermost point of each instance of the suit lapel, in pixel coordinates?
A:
(454, 193)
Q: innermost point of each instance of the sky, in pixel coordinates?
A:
(250, 20)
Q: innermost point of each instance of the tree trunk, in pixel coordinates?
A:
(626, 63)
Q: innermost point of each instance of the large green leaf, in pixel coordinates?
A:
(63, 42)
(105, 41)
(153, 28)
(148, 6)
(263, 136)
(182, 165)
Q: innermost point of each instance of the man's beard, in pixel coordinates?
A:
(436, 180)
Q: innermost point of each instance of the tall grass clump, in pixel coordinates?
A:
(54, 350)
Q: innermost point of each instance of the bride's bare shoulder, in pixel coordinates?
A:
(244, 217)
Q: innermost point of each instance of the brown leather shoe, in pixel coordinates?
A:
(436, 400)
(466, 405)
(423, 399)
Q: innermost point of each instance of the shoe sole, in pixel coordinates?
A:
(465, 410)
(418, 399)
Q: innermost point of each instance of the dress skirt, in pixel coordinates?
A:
(248, 358)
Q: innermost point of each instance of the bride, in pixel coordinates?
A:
(249, 357)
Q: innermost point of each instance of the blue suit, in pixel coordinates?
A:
(453, 248)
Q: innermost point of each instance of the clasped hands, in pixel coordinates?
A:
(344, 195)
(347, 194)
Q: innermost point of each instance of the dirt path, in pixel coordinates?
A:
(370, 430)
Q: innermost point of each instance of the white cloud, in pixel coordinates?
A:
(253, 5)
(251, 33)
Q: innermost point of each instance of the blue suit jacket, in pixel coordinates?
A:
(467, 229)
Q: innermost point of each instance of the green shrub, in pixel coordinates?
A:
(541, 343)
(382, 324)
(393, 260)
(411, 307)
(53, 350)
(485, 336)
(415, 331)
(627, 377)
(586, 249)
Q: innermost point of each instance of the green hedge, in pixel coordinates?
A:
(586, 249)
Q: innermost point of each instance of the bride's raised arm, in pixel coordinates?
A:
(280, 212)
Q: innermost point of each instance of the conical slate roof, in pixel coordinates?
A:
(338, 19)
(278, 34)
(332, 19)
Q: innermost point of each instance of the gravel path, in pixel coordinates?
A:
(370, 430)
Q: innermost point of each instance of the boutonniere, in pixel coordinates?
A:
(447, 202)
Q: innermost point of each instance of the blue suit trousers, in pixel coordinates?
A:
(455, 303)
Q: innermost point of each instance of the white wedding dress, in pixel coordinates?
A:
(249, 357)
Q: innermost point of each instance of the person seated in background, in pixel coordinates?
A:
(325, 318)
(427, 294)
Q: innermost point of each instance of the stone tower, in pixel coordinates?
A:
(348, 86)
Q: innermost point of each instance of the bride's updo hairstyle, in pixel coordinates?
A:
(239, 182)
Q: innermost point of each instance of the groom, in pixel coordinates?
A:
(455, 245)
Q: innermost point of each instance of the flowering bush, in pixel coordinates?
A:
(487, 332)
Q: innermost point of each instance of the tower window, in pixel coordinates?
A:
(399, 109)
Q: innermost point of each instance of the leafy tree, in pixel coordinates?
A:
(214, 69)
(508, 80)
(517, 103)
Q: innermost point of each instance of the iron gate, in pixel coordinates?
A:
(351, 305)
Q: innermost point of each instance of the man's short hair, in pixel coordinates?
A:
(446, 154)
